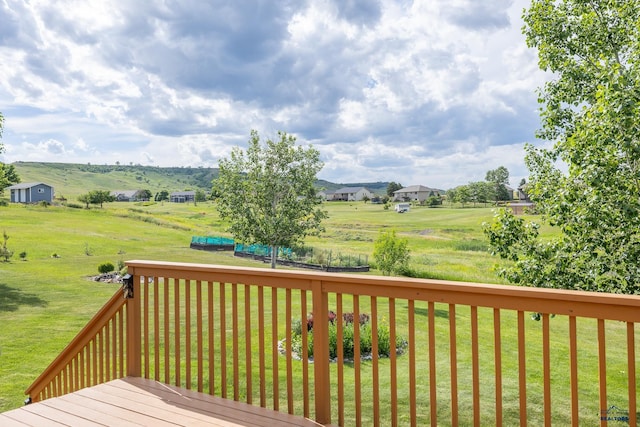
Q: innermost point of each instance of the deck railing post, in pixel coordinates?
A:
(134, 350)
(321, 353)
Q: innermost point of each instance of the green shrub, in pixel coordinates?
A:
(5, 252)
(106, 267)
(366, 342)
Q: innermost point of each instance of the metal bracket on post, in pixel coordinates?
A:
(127, 286)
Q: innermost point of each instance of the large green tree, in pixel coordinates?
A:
(499, 177)
(588, 184)
(482, 192)
(267, 193)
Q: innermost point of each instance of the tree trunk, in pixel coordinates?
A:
(274, 256)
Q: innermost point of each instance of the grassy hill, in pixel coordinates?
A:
(72, 179)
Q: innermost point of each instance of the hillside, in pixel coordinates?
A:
(376, 187)
(71, 179)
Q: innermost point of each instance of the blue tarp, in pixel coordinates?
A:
(263, 250)
(217, 241)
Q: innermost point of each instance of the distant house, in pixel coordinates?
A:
(182, 196)
(351, 194)
(326, 195)
(521, 193)
(31, 192)
(514, 194)
(129, 195)
(415, 193)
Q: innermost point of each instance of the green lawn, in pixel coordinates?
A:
(44, 301)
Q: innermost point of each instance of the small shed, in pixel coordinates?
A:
(31, 192)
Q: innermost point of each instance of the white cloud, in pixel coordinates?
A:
(432, 93)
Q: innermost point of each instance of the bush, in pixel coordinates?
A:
(106, 267)
(391, 253)
(5, 252)
(366, 347)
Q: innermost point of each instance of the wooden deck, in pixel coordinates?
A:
(140, 402)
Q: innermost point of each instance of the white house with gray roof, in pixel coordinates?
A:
(415, 193)
(129, 195)
(31, 192)
(351, 194)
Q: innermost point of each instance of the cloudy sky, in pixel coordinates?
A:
(432, 92)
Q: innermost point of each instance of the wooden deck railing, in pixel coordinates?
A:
(473, 355)
(95, 355)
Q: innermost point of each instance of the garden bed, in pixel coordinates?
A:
(298, 264)
(385, 347)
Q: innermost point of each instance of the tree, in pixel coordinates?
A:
(587, 184)
(433, 201)
(10, 174)
(162, 195)
(267, 193)
(393, 187)
(481, 192)
(145, 195)
(498, 176)
(5, 252)
(98, 197)
(200, 196)
(461, 194)
(500, 179)
(390, 252)
(451, 195)
(84, 198)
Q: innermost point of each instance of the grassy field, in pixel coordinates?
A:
(45, 300)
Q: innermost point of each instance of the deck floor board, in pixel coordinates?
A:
(133, 402)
